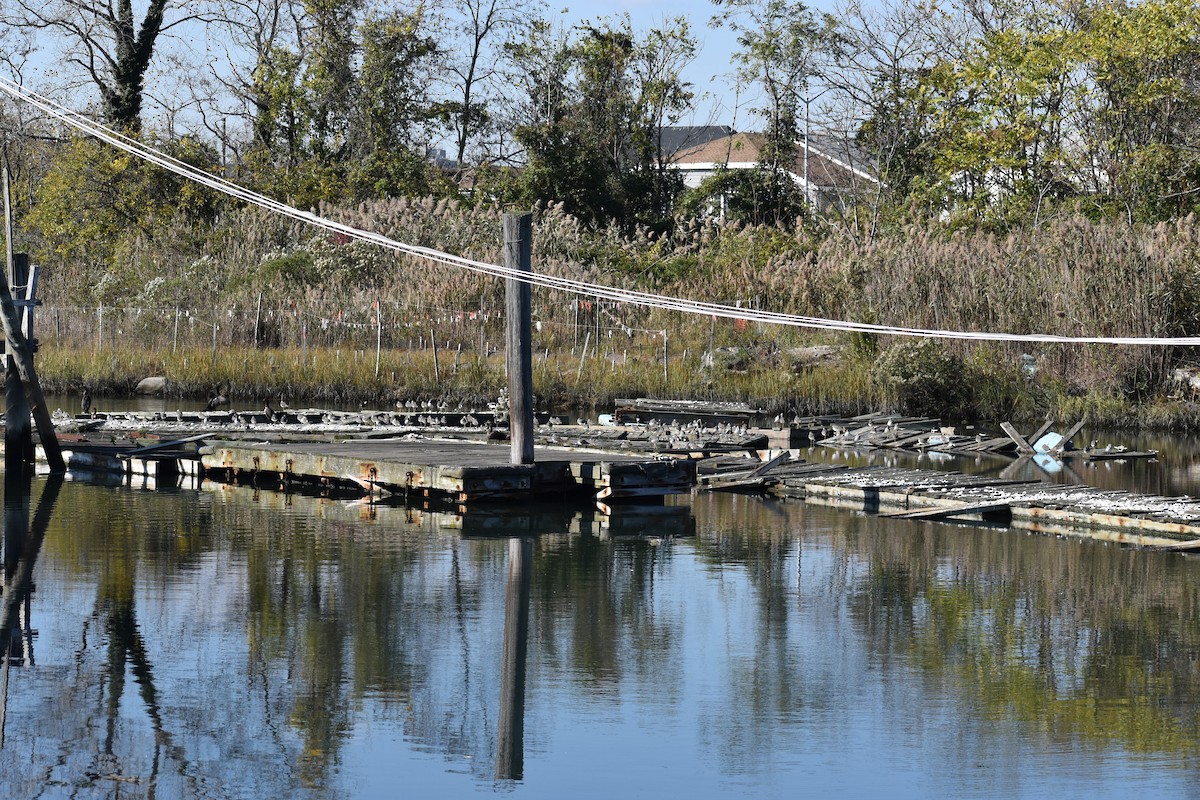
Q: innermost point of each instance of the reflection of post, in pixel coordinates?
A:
(510, 747)
(21, 546)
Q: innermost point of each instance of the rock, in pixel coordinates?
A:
(802, 358)
(151, 386)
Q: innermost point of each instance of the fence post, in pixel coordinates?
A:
(378, 334)
(257, 319)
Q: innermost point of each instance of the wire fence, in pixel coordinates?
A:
(580, 328)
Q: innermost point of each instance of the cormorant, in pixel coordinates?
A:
(87, 402)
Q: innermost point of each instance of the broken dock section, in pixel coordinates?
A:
(1057, 509)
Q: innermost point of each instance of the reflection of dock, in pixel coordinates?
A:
(490, 521)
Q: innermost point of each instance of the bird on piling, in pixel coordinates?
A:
(86, 403)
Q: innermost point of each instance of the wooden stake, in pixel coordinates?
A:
(437, 368)
(257, 319)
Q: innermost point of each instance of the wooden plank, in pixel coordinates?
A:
(770, 464)
(1022, 445)
(742, 479)
(946, 511)
(163, 445)
(1076, 428)
(1040, 432)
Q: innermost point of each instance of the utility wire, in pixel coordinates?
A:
(600, 291)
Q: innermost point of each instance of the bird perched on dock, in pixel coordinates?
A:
(218, 400)
(283, 403)
(86, 402)
(269, 412)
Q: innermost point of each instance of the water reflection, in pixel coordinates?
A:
(229, 643)
(22, 543)
(510, 749)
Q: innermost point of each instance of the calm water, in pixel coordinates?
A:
(222, 643)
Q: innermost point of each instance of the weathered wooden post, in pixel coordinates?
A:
(18, 437)
(510, 739)
(19, 351)
(518, 255)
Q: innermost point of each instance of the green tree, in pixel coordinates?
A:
(1143, 122)
(394, 112)
(783, 45)
(594, 111)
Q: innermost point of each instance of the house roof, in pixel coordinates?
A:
(735, 148)
(833, 162)
(676, 138)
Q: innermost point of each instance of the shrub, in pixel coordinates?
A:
(924, 379)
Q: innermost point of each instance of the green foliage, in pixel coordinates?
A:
(596, 105)
(925, 379)
(94, 202)
(747, 196)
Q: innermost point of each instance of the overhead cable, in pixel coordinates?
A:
(594, 290)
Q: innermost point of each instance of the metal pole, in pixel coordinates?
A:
(518, 252)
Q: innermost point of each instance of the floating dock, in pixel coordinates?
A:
(608, 464)
(1056, 509)
(455, 470)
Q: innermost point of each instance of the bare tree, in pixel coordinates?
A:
(478, 25)
(111, 45)
(255, 38)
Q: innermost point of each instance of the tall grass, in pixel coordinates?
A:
(267, 306)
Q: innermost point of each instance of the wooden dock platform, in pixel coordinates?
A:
(459, 471)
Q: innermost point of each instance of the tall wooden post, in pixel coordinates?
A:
(518, 255)
(18, 432)
(19, 350)
(510, 739)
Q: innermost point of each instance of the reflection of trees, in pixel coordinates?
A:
(324, 626)
(770, 680)
(1081, 639)
(594, 609)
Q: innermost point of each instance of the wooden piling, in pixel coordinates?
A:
(20, 352)
(518, 251)
(18, 432)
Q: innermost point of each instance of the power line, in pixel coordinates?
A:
(600, 291)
